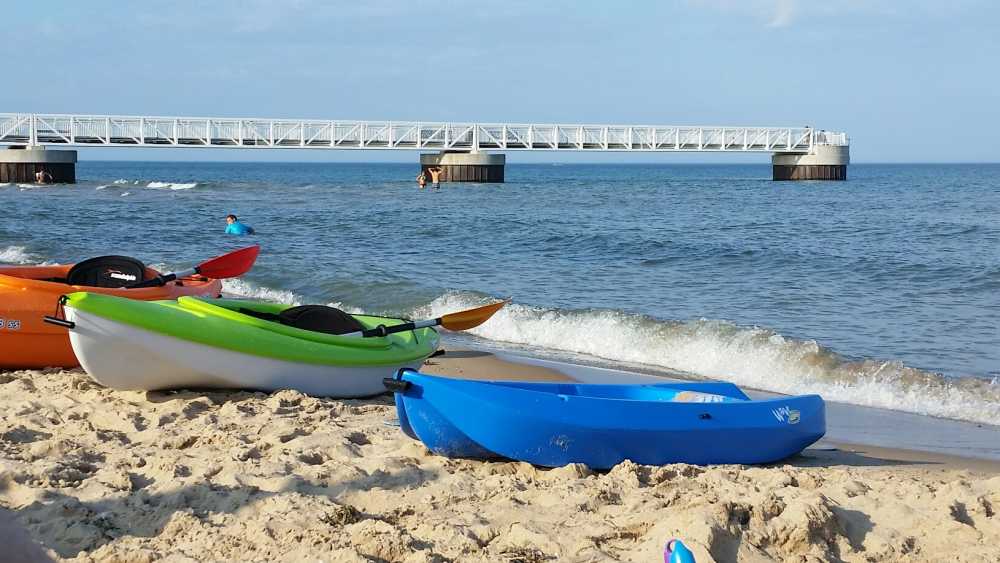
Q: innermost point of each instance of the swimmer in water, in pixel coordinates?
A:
(422, 180)
(435, 177)
(234, 227)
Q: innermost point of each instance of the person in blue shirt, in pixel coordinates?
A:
(234, 227)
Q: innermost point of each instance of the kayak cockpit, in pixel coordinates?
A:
(690, 392)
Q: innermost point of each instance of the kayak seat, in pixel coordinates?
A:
(317, 318)
(106, 271)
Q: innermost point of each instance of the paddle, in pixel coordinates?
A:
(230, 265)
(462, 320)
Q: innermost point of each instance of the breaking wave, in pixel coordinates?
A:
(171, 185)
(754, 357)
(17, 255)
(241, 288)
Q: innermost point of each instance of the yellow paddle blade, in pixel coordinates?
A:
(470, 318)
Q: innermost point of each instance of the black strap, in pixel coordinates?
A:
(316, 318)
(273, 317)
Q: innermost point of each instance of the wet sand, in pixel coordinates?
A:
(99, 475)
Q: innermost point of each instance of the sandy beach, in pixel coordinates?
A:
(99, 475)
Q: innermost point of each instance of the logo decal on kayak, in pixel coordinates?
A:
(785, 414)
(697, 397)
(562, 442)
(115, 274)
(11, 324)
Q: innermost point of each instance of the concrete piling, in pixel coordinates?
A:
(825, 162)
(20, 164)
(465, 167)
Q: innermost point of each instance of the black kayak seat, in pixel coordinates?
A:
(107, 271)
(317, 318)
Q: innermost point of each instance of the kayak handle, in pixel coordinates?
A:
(380, 330)
(59, 322)
(395, 385)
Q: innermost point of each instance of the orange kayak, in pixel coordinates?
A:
(28, 293)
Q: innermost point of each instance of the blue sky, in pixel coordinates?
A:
(909, 80)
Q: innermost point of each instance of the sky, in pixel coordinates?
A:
(908, 80)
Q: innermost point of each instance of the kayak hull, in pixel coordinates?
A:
(225, 343)
(554, 424)
(26, 296)
(124, 357)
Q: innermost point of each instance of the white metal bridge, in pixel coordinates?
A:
(36, 129)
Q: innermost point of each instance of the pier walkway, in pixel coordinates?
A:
(35, 130)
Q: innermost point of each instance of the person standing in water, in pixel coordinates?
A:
(435, 177)
(234, 227)
(42, 177)
(422, 180)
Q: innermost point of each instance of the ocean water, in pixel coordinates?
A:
(881, 291)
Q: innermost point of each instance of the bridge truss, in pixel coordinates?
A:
(36, 129)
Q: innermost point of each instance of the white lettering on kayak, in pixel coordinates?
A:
(121, 276)
(785, 414)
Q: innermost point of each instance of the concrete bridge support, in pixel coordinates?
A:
(825, 162)
(19, 164)
(465, 166)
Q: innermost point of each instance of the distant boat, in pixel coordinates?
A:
(554, 424)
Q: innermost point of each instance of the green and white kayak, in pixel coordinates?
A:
(224, 343)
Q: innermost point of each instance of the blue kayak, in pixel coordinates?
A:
(553, 424)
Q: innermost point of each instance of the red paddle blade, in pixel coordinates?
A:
(231, 265)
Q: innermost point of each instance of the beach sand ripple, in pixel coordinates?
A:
(101, 475)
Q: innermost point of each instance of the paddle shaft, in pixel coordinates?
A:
(229, 265)
(382, 330)
(165, 278)
(461, 320)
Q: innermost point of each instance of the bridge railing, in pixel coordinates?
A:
(85, 130)
(831, 138)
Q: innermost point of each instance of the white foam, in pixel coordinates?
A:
(16, 255)
(121, 181)
(241, 288)
(160, 267)
(348, 308)
(123, 194)
(171, 185)
(749, 356)
(101, 187)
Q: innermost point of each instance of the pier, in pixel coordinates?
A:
(466, 152)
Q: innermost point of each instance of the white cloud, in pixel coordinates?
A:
(783, 14)
(776, 13)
